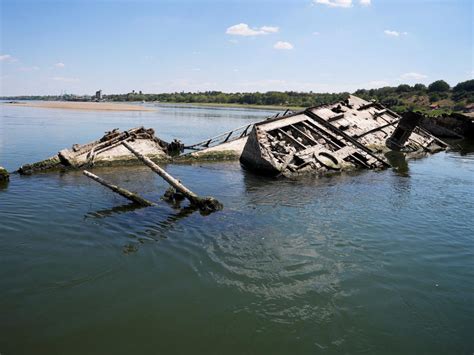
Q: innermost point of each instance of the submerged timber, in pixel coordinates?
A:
(347, 135)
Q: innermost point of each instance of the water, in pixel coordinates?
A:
(369, 262)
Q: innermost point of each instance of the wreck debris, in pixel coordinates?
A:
(225, 146)
(105, 151)
(454, 125)
(350, 134)
(121, 191)
(205, 204)
(4, 176)
(43, 165)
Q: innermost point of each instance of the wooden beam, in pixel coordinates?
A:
(123, 192)
(206, 204)
(291, 138)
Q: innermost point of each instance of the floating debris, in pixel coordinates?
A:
(347, 135)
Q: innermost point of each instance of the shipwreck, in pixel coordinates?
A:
(346, 135)
(350, 134)
(106, 151)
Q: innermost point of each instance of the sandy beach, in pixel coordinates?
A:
(92, 106)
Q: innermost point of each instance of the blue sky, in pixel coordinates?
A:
(48, 47)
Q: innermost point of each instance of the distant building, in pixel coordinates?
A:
(98, 95)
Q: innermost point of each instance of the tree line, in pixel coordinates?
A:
(400, 97)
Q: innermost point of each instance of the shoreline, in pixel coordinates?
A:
(224, 105)
(119, 106)
(77, 105)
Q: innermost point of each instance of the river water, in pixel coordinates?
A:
(368, 262)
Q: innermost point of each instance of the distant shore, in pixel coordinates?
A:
(74, 105)
(117, 106)
(227, 105)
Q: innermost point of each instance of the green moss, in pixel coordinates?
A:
(4, 176)
(209, 156)
(47, 164)
(158, 158)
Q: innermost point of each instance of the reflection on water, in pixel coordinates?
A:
(359, 262)
(398, 162)
(114, 210)
(464, 146)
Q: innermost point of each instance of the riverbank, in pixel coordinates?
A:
(74, 105)
(243, 106)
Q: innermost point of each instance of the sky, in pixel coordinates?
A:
(80, 46)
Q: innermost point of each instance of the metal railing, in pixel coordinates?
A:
(229, 136)
(225, 137)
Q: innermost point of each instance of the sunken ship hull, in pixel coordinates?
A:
(106, 151)
(345, 136)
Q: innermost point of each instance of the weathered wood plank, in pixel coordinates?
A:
(206, 204)
(123, 192)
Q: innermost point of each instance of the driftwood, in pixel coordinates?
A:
(125, 193)
(205, 204)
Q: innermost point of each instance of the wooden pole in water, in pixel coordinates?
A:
(125, 193)
(206, 204)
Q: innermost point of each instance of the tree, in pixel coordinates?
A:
(419, 87)
(438, 86)
(464, 86)
(403, 88)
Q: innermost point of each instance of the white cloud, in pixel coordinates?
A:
(65, 80)
(7, 58)
(316, 33)
(269, 29)
(242, 29)
(413, 76)
(341, 3)
(393, 33)
(335, 3)
(283, 45)
(59, 65)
